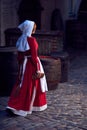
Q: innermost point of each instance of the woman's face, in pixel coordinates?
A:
(34, 29)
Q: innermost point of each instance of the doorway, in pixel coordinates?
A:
(30, 10)
(82, 12)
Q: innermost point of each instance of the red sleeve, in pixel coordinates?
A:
(33, 47)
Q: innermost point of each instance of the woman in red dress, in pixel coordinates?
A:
(29, 91)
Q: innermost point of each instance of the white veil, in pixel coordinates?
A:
(26, 27)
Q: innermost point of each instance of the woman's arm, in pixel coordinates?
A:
(34, 48)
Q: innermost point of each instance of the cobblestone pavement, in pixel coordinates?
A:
(67, 105)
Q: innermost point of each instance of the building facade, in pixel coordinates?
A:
(39, 10)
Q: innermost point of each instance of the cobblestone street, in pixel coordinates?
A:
(67, 105)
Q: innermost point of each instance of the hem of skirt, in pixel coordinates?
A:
(42, 108)
(19, 112)
(24, 113)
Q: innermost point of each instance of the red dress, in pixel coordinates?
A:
(32, 96)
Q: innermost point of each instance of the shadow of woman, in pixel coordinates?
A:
(5, 114)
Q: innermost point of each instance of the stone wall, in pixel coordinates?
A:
(51, 41)
(8, 17)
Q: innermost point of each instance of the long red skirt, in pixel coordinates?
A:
(30, 97)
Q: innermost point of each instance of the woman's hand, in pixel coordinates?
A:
(38, 75)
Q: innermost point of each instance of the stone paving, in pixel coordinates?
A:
(67, 105)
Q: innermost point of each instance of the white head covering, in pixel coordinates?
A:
(26, 27)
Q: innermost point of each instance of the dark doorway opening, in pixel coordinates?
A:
(76, 29)
(82, 12)
(30, 10)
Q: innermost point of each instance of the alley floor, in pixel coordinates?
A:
(67, 105)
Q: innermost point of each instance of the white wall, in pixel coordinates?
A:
(63, 5)
(49, 6)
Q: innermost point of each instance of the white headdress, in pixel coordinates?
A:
(26, 27)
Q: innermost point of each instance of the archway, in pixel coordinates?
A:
(82, 12)
(30, 9)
